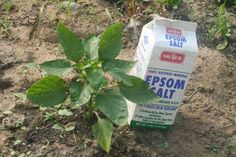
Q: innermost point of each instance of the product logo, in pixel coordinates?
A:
(174, 31)
(173, 57)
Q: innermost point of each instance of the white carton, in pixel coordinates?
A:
(165, 57)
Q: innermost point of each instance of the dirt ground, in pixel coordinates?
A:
(205, 125)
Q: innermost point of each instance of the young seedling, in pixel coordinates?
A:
(91, 59)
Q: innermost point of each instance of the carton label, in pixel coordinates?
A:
(175, 38)
(166, 84)
(174, 31)
(173, 57)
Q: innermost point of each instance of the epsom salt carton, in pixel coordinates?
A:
(165, 57)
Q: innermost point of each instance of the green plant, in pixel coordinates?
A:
(6, 6)
(221, 30)
(170, 3)
(93, 63)
(5, 23)
(232, 145)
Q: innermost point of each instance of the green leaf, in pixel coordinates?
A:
(102, 131)
(80, 93)
(17, 142)
(64, 112)
(48, 91)
(96, 78)
(110, 42)
(58, 67)
(21, 96)
(7, 112)
(57, 127)
(30, 65)
(42, 108)
(118, 68)
(21, 155)
(91, 47)
(223, 45)
(119, 65)
(113, 105)
(138, 92)
(70, 126)
(72, 45)
(120, 76)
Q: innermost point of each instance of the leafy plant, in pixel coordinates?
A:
(221, 30)
(170, 3)
(93, 61)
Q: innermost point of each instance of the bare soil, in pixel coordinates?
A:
(205, 125)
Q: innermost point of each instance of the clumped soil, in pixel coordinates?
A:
(205, 125)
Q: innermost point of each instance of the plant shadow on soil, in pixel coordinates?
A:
(188, 137)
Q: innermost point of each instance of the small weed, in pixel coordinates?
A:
(64, 128)
(213, 147)
(232, 145)
(15, 124)
(90, 11)
(221, 30)
(25, 68)
(69, 7)
(117, 3)
(22, 155)
(17, 142)
(55, 113)
(21, 96)
(170, 3)
(5, 22)
(150, 10)
(6, 6)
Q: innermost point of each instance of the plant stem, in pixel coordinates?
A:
(76, 140)
(97, 114)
